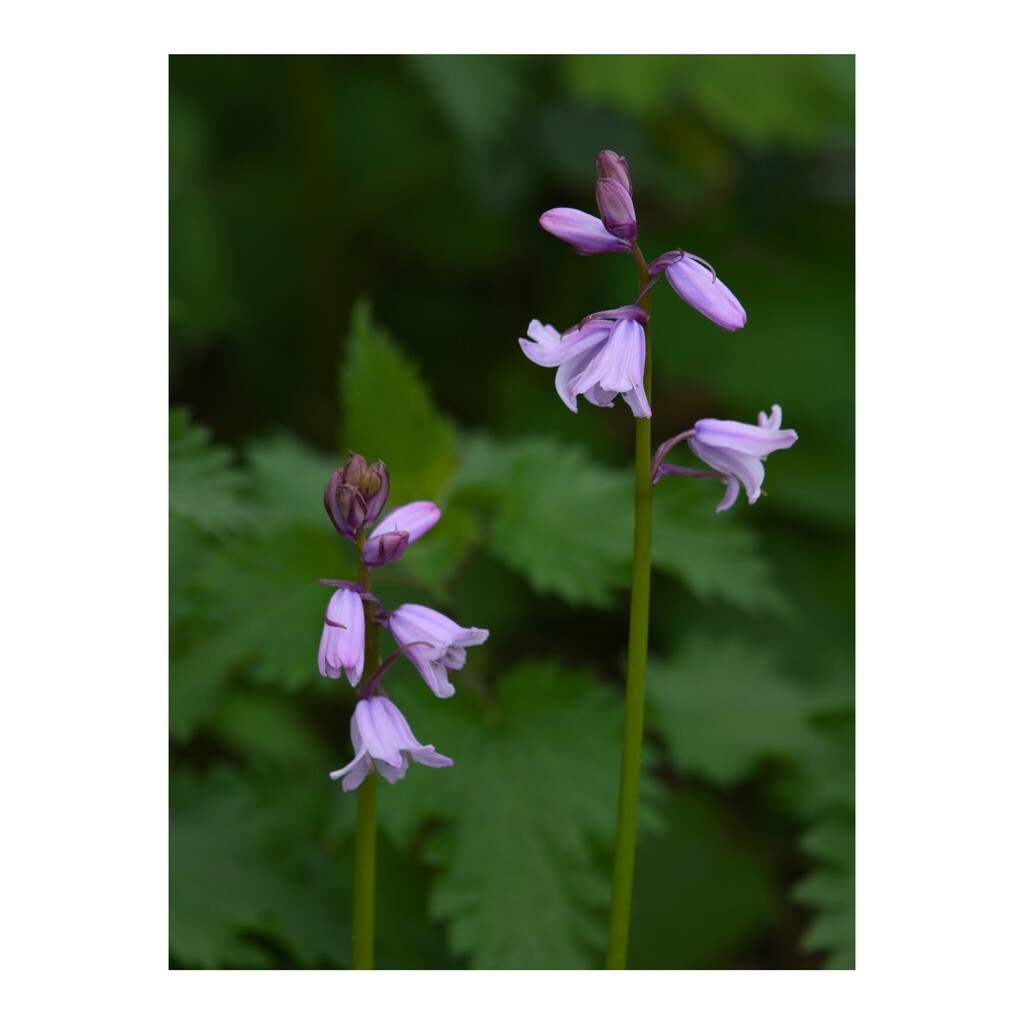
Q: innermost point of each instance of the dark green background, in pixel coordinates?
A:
(378, 215)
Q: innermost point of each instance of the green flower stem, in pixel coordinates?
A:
(366, 816)
(636, 669)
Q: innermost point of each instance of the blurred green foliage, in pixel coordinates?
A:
(354, 251)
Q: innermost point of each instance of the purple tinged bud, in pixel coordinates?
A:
(383, 742)
(353, 469)
(611, 165)
(616, 208)
(665, 260)
(374, 485)
(701, 288)
(585, 233)
(386, 547)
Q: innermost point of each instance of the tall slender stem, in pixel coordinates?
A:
(636, 669)
(366, 816)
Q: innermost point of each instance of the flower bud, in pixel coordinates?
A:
(353, 469)
(385, 547)
(611, 165)
(374, 484)
(344, 505)
(616, 208)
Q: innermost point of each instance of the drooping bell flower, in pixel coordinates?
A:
(383, 742)
(397, 530)
(584, 232)
(735, 450)
(434, 643)
(343, 640)
(697, 284)
(598, 359)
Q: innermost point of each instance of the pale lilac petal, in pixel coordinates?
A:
(637, 402)
(386, 548)
(743, 437)
(567, 374)
(357, 775)
(377, 732)
(415, 519)
(732, 491)
(695, 284)
(749, 469)
(430, 757)
(598, 396)
(337, 774)
(772, 422)
(586, 234)
(554, 353)
(343, 648)
(393, 773)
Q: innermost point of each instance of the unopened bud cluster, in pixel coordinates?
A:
(354, 498)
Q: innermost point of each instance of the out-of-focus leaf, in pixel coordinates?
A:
(830, 889)
(523, 878)
(476, 94)
(205, 487)
(635, 84)
(723, 707)
(389, 414)
(245, 866)
(714, 555)
(700, 894)
(565, 523)
(265, 603)
(288, 479)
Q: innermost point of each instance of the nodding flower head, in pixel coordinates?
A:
(696, 283)
(343, 639)
(600, 358)
(383, 742)
(397, 530)
(434, 643)
(736, 451)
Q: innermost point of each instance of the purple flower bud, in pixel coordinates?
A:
(611, 165)
(353, 469)
(616, 208)
(437, 643)
(382, 548)
(586, 234)
(738, 451)
(374, 485)
(383, 742)
(700, 287)
(344, 504)
(343, 639)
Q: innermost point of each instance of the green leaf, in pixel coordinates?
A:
(476, 94)
(564, 522)
(244, 865)
(723, 707)
(523, 879)
(714, 554)
(830, 889)
(265, 604)
(389, 414)
(288, 479)
(205, 488)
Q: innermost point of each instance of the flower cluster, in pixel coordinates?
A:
(606, 353)
(354, 498)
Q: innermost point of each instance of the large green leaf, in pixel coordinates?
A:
(205, 486)
(389, 414)
(523, 876)
(723, 707)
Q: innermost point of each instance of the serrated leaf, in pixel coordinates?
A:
(564, 522)
(389, 414)
(288, 479)
(523, 879)
(723, 707)
(205, 487)
(265, 603)
(713, 554)
(234, 875)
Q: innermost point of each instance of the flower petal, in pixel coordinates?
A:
(586, 234)
(566, 347)
(695, 284)
(415, 519)
(744, 438)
